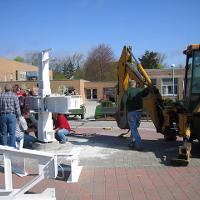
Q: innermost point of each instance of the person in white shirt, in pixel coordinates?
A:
(21, 128)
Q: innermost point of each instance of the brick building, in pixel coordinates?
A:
(14, 71)
(163, 79)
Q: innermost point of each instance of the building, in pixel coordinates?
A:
(168, 81)
(16, 71)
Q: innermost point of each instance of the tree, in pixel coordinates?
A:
(58, 76)
(111, 75)
(67, 65)
(98, 63)
(152, 60)
(19, 59)
(68, 69)
(32, 58)
(161, 59)
(77, 59)
(79, 73)
(76, 62)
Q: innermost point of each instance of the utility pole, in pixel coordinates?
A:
(173, 66)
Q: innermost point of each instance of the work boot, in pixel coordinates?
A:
(62, 142)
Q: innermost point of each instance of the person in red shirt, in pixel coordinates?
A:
(62, 127)
(20, 92)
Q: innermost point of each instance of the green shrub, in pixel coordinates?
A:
(168, 102)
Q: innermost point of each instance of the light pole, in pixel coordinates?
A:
(173, 66)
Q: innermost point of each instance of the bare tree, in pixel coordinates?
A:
(161, 59)
(77, 59)
(32, 58)
(98, 63)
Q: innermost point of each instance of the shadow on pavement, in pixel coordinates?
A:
(164, 150)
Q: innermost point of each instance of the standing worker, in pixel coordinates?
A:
(9, 111)
(132, 99)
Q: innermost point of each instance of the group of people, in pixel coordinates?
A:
(13, 121)
(25, 92)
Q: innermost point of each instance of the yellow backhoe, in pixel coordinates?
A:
(183, 118)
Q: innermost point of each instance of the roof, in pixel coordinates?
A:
(9, 65)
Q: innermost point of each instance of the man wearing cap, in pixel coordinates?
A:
(9, 112)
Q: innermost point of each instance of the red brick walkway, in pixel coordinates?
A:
(139, 182)
(125, 184)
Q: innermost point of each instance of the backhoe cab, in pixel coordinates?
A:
(182, 119)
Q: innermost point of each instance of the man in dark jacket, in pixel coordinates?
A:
(132, 99)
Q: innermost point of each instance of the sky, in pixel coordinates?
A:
(77, 26)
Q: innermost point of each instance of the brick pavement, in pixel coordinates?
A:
(111, 170)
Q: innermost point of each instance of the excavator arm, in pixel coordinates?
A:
(129, 68)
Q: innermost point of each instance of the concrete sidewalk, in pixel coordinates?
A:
(111, 170)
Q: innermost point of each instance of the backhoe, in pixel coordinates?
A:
(183, 118)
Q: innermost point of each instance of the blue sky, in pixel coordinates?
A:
(69, 26)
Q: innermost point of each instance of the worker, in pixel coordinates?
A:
(9, 111)
(22, 129)
(61, 127)
(35, 90)
(132, 100)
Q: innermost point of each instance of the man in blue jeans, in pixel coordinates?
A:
(62, 127)
(132, 100)
(9, 111)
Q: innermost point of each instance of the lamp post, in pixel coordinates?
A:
(173, 66)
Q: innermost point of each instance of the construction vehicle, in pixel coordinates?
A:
(183, 118)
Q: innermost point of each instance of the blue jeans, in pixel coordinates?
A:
(8, 124)
(134, 122)
(60, 134)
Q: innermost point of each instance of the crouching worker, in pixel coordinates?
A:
(22, 128)
(61, 127)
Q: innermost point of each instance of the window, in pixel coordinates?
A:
(91, 93)
(188, 77)
(154, 81)
(11, 76)
(22, 76)
(32, 75)
(196, 73)
(167, 87)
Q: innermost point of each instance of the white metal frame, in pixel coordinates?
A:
(48, 168)
(74, 167)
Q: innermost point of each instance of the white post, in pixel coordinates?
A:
(44, 81)
(45, 123)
